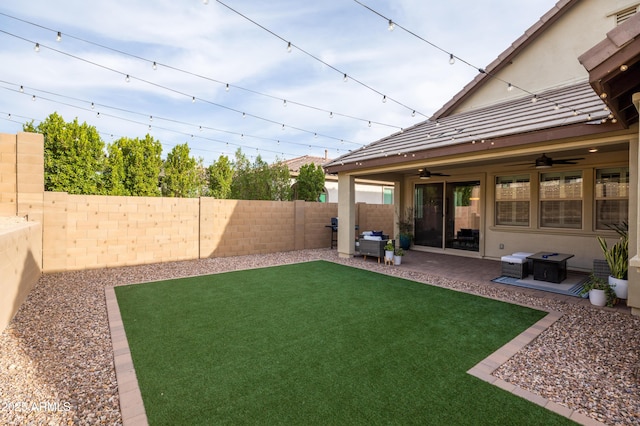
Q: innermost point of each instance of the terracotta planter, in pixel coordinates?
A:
(620, 286)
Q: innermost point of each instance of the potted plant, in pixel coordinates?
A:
(388, 251)
(599, 290)
(617, 257)
(397, 256)
(405, 228)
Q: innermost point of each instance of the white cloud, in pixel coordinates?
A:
(216, 43)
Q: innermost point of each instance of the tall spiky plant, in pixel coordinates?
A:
(617, 256)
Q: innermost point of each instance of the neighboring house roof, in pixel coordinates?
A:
(504, 59)
(295, 164)
(580, 112)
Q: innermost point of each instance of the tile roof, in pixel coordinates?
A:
(577, 104)
(295, 163)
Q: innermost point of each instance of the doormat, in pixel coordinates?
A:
(572, 286)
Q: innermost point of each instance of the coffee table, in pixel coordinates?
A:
(550, 266)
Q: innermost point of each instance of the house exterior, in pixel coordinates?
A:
(366, 191)
(538, 153)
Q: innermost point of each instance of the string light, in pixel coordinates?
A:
(127, 79)
(289, 47)
(510, 87)
(284, 103)
(154, 66)
(452, 59)
(37, 47)
(534, 99)
(384, 99)
(391, 25)
(227, 87)
(59, 36)
(33, 98)
(345, 78)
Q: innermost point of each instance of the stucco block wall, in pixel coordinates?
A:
(233, 228)
(378, 217)
(30, 175)
(91, 231)
(316, 218)
(20, 266)
(8, 176)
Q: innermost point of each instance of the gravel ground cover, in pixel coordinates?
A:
(56, 359)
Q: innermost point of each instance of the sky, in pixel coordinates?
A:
(223, 68)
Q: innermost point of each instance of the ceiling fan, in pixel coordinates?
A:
(426, 174)
(544, 162)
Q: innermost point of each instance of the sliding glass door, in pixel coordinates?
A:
(448, 215)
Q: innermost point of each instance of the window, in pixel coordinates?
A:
(387, 195)
(561, 200)
(512, 200)
(612, 197)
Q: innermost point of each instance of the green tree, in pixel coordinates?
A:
(114, 173)
(220, 175)
(310, 182)
(181, 177)
(73, 155)
(259, 180)
(280, 182)
(137, 163)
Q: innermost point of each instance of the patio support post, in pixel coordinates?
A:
(346, 215)
(633, 300)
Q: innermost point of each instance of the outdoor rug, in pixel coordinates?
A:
(572, 286)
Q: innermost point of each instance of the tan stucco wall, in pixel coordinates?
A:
(551, 60)
(20, 265)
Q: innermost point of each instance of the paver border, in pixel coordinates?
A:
(484, 369)
(131, 405)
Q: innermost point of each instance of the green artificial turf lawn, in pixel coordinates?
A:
(319, 343)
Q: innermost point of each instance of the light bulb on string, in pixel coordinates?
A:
(193, 99)
(284, 103)
(127, 78)
(331, 115)
(534, 99)
(384, 99)
(92, 105)
(345, 78)
(369, 123)
(413, 113)
(509, 87)
(452, 59)
(33, 98)
(154, 66)
(289, 47)
(59, 36)
(391, 25)
(37, 47)
(227, 87)
(21, 89)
